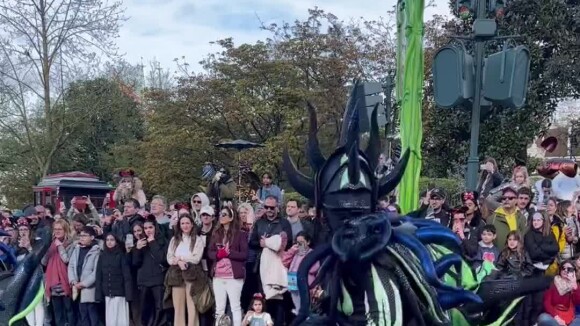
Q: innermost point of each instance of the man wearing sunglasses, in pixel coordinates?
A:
(507, 217)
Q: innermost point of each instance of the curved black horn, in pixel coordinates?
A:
(351, 108)
(390, 181)
(353, 164)
(301, 183)
(315, 157)
(374, 146)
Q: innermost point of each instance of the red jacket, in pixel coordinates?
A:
(561, 305)
(238, 253)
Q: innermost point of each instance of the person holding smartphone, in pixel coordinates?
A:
(149, 258)
(561, 298)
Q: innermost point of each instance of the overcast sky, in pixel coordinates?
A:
(166, 29)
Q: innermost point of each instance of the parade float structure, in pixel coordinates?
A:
(62, 187)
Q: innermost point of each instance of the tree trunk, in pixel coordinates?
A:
(46, 64)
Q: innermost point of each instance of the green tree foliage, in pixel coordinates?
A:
(549, 29)
(257, 92)
(111, 120)
(106, 137)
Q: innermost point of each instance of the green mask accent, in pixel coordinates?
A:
(346, 307)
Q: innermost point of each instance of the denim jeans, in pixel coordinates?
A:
(547, 320)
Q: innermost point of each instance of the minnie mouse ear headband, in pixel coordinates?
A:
(128, 173)
(470, 195)
(23, 221)
(258, 296)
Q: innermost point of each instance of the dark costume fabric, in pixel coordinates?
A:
(380, 268)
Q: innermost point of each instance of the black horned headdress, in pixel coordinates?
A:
(344, 183)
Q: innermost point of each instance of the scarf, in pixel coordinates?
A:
(563, 285)
(56, 272)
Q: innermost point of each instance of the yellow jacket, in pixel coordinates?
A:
(561, 239)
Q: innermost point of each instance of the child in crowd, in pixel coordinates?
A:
(292, 259)
(82, 275)
(487, 250)
(256, 315)
(514, 261)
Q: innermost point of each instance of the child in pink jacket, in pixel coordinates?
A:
(292, 259)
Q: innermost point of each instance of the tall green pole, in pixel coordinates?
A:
(410, 94)
(473, 160)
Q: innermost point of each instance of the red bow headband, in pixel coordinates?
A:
(258, 296)
(127, 173)
(468, 196)
(179, 206)
(23, 222)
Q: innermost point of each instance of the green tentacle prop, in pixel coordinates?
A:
(410, 94)
(37, 300)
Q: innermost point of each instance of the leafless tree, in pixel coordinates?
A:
(45, 44)
(158, 77)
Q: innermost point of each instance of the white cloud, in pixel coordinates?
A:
(166, 29)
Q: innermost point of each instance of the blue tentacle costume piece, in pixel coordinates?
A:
(22, 288)
(380, 268)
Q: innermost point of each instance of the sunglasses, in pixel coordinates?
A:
(225, 214)
(508, 198)
(569, 269)
(197, 201)
(269, 208)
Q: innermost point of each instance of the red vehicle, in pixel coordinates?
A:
(62, 187)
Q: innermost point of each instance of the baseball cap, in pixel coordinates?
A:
(438, 192)
(207, 210)
(29, 210)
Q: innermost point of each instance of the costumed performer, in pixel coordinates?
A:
(380, 268)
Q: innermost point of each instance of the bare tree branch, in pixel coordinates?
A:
(49, 40)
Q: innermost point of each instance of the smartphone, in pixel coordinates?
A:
(129, 241)
(482, 167)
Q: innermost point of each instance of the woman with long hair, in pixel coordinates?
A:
(149, 258)
(185, 249)
(247, 217)
(541, 245)
(114, 285)
(558, 229)
(561, 298)
(489, 177)
(565, 210)
(57, 285)
(252, 280)
(229, 251)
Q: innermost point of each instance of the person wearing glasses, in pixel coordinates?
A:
(507, 217)
(561, 298)
(267, 225)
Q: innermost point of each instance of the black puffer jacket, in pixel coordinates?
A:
(542, 249)
(151, 262)
(113, 275)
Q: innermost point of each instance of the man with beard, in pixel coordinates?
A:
(124, 223)
(433, 208)
(269, 224)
